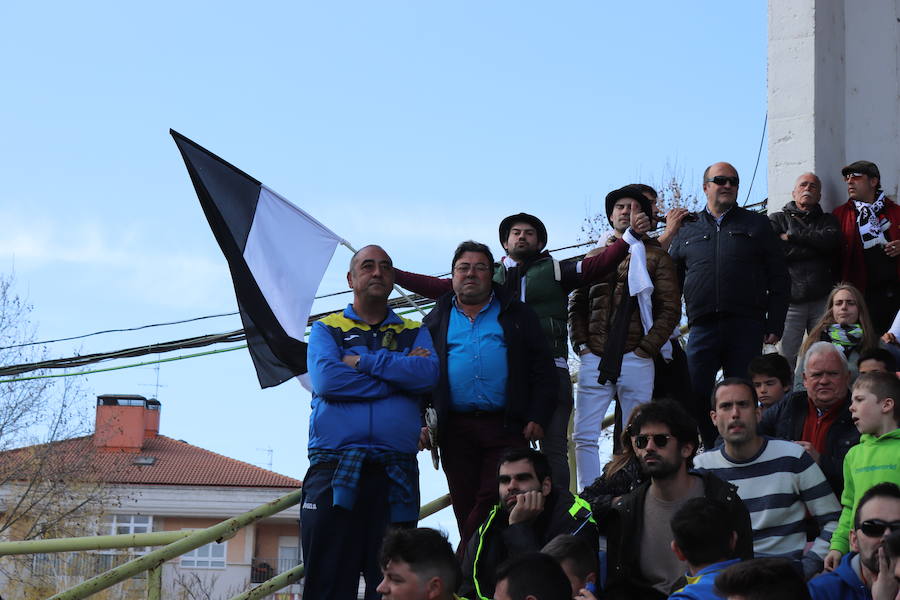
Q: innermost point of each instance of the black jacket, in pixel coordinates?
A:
(734, 268)
(532, 383)
(785, 420)
(497, 541)
(623, 531)
(814, 240)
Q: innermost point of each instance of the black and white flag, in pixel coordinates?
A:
(277, 255)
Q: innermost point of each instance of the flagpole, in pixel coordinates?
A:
(406, 296)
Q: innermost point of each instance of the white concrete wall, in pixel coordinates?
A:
(833, 92)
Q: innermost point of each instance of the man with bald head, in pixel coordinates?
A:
(811, 240)
(735, 284)
(368, 368)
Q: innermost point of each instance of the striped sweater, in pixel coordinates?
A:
(778, 486)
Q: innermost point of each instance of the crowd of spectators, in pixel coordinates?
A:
(736, 474)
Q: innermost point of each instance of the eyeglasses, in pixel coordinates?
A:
(876, 527)
(659, 440)
(722, 180)
(850, 176)
(466, 267)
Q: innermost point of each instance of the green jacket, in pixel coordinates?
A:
(873, 460)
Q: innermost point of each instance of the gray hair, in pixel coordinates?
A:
(824, 348)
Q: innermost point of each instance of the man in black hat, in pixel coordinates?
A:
(870, 223)
(529, 273)
(617, 327)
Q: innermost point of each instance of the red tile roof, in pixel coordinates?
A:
(173, 463)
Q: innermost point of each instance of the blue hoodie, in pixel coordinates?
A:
(841, 584)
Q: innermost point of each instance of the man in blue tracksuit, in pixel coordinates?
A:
(368, 369)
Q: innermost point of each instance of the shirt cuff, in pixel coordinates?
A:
(630, 237)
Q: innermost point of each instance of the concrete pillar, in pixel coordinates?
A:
(833, 93)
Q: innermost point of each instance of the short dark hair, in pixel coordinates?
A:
(426, 551)
(883, 385)
(733, 381)
(537, 459)
(703, 529)
(472, 246)
(885, 489)
(771, 578)
(534, 574)
(574, 549)
(672, 414)
(881, 355)
(771, 365)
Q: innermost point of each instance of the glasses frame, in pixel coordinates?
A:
(660, 440)
(881, 524)
(723, 179)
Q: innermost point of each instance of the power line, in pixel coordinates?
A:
(228, 314)
(758, 155)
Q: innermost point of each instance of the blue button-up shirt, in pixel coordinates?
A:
(476, 360)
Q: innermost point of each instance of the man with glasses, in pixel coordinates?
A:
(529, 273)
(819, 418)
(811, 240)
(777, 480)
(859, 576)
(735, 284)
(870, 224)
(498, 383)
(641, 562)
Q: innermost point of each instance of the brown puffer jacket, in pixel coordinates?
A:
(591, 311)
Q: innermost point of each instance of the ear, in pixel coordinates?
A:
(677, 551)
(546, 486)
(434, 588)
(733, 543)
(349, 280)
(854, 545)
(687, 449)
(887, 406)
(712, 416)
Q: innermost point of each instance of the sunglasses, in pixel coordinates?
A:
(851, 176)
(876, 527)
(722, 180)
(659, 440)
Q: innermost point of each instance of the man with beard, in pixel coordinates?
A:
(528, 273)
(870, 225)
(811, 240)
(735, 284)
(859, 576)
(531, 512)
(778, 481)
(641, 563)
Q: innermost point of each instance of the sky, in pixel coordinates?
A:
(407, 124)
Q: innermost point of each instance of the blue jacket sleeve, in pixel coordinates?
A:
(413, 374)
(333, 380)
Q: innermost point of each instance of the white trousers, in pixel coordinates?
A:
(634, 387)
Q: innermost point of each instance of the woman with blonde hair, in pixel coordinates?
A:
(846, 324)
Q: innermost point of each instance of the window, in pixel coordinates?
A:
(210, 556)
(126, 524)
(119, 524)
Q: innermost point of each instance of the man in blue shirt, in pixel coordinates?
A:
(369, 369)
(498, 385)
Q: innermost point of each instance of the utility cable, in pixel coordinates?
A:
(758, 155)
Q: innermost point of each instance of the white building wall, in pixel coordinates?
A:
(833, 92)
